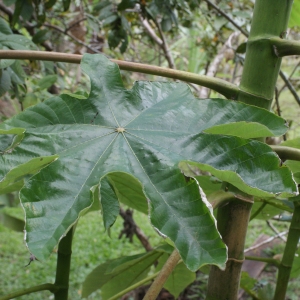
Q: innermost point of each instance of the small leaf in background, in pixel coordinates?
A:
(29, 100)
(166, 23)
(179, 279)
(49, 3)
(46, 82)
(23, 8)
(5, 82)
(17, 73)
(4, 27)
(118, 37)
(264, 211)
(66, 4)
(248, 283)
(16, 42)
(124, 4)
(40, 12)
(41, 36)
(4, 63)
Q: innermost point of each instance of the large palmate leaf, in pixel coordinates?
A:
(145, 132)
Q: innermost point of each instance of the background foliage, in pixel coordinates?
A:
(183, 36)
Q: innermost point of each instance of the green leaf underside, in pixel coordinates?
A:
(116, 275)
(179, 279)
(163, 124)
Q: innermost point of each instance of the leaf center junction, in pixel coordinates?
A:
(120, 129)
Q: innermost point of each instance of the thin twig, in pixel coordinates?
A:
(221, 12)
(290, 76)
(162, 277)
(290, 86)
(75, 23)
(266, 241)
(213, 68)
(165, 47)
(72, 37)
(130, 228)
(150, 31)
(275, 230)
(160, 41)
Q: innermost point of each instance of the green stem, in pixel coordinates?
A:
(268, 260)
(258, 211)
(285, 47)
(286, 264)
(43, 287)
(232, 220)
(163, 275)
(63, 266)
(223, 87)
(133, 287)
(270, 20)
(285, 152)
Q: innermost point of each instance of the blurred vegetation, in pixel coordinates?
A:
(186, 35)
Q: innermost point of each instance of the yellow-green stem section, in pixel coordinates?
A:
(261, 67)
(43, 287)
(163, 275)
(285, 48)
(63, 266)
(286, 264)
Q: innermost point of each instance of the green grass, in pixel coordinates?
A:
(91, 247)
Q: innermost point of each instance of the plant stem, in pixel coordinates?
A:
(286, 263)
(283, 77)
(270, 20)
(290, 87)
(163, 275)
(232, 223)
(270, 239)
(133, 287)
(268, 260)
(285, 152)
(285, 47)
(63, 266)
(43, 287)
(223, 87)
